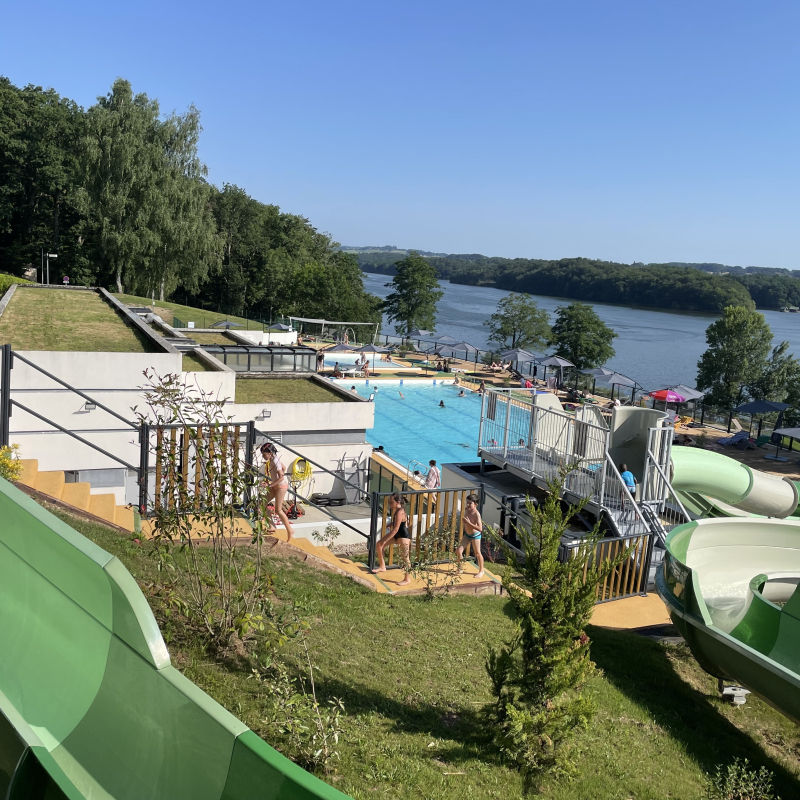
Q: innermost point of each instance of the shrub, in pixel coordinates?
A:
(7, 280)
(437, 566)
(739, 782)
(328, 538)
(538, 677)
(10, 464)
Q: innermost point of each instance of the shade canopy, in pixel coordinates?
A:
(792, 433)
(668, 396)
(616, 379)
(598, 372)
(371, 348)
(464, 347)
(417, 333)
(444, 339)
(761, 407)
(687, 391)
(517, 355)
(280, 326)
(340, 348)
(555, 361)
(226, 323)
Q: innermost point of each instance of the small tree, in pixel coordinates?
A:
(437, 566)
(10, 462)
(222, 588)
(412, 304)
(538, 677)
(519, 322)
(737, 356)
(581, 337)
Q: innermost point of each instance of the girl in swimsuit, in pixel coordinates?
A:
(277, 484)
(473, 527)
(400, 533)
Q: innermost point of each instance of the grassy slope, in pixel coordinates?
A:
(191, 363)
(53, 319)
(412, 679)
(200, 317)
(283, 390)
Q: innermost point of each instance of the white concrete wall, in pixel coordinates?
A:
(265, 337)
(307, 416)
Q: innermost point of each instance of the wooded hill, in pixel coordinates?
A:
(119, 192)
(674, 286)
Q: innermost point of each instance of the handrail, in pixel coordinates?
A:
(609, 461)
(313, 463)
(669, 485)
(74, 436)
(73, 389)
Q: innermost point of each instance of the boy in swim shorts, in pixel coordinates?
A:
(473, 527)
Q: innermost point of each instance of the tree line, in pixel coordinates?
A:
(119, 192)
(679, 287)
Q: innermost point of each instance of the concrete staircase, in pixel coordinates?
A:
(53, 483)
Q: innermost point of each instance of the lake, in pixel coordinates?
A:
(655, 348)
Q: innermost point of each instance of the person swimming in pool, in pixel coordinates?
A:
(462, 393)
(397, 531)
(441, 404)
(473, 527)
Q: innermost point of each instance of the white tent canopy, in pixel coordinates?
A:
(334, 324)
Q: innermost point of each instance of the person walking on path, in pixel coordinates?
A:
(473, 527)
(434, 478)
(277, 485)
(398, 531)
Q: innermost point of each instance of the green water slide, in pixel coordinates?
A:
(713, 485)
(731, 587)
(90, 706)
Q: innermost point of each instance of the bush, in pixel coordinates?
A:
(739, 782)
(10, 464)
(7, 280)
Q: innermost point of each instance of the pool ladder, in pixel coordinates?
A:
(410, 470)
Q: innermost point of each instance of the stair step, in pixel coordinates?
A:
(123, 516)
(77, 494)
(30, 469)
(51, 483)
(103, 506)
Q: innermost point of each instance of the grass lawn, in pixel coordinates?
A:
(283, 390)
(200, 317)
(212, 338)
(412, 679)
(191, 363)
(55, 319)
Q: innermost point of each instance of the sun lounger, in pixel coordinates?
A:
(745, 444)
(735, 439)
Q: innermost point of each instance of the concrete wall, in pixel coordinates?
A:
(265, 337)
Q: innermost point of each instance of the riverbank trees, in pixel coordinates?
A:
(412, 303)
(581, 337)
(119, 192)
(741, 362)
(519, 322)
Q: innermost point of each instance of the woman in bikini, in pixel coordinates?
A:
(277, 484)
(398, 532)
(473, 527)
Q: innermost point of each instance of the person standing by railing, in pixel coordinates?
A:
(434, 478)
(277, 485)
(473, 528)
(397, 531)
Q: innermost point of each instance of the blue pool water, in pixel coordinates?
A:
(414, 428)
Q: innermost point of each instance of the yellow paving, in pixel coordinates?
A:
(631, 613)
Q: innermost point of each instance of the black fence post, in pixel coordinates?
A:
(373, 529)
(248, 462)
(144, 466)
(5, 395)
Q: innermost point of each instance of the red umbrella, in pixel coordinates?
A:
(668, 396)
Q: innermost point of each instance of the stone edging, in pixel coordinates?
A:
(7, 296)
(135, 321)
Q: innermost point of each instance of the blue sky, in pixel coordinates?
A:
(619, 130)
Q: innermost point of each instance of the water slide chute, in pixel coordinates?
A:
(712, 484)
(731, 588)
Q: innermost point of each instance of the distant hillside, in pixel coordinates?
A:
(673, 285)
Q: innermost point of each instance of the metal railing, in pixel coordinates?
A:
(619, 504)
(542, 441)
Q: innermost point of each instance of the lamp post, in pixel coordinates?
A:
(49, 256)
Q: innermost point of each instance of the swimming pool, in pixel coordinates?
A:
(415, 428)
(348, 360)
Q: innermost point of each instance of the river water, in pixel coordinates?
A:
(655, 348)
